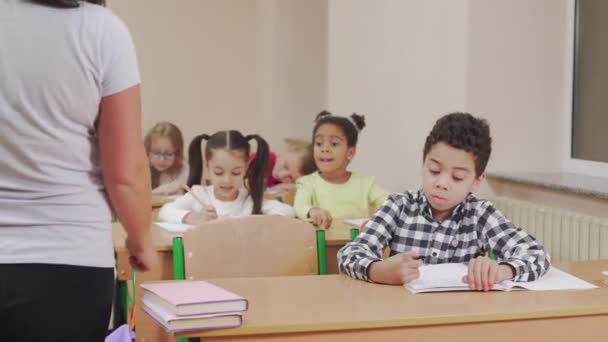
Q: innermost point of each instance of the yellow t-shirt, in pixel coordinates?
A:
(349, 200)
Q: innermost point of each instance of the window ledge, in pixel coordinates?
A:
(583, 185)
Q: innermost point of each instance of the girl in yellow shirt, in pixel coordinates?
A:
(333, 191)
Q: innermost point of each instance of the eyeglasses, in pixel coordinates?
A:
(161, 155)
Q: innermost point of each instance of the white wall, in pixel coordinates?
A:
(405, 63)
(402, 64)
(292, 53)
(257, 66)
(515, 79)
(269, 66)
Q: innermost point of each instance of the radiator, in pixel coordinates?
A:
(566, 235)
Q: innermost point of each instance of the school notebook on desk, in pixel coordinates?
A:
(173, 227)
(172, 322)
(192, 298)
(448, 277)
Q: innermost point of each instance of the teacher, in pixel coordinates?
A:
(70, 152)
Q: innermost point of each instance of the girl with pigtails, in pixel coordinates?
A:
(237, 185)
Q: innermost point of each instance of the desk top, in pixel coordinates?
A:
(337, 302)
(337, 235)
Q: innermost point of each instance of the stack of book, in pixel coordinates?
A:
(192, 305)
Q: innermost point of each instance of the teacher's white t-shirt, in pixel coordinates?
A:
(55, 66)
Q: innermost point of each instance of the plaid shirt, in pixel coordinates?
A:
(405, 223)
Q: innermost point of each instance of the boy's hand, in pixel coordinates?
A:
(484, 273)
(197, 217)
(397, 270)
(320, 217)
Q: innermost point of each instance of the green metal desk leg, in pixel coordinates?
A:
(353, 233)
(321, 251)
(179, 269)
(123, 294)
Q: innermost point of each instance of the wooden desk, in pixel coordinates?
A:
(163, 270)
(338, 308)
(336, 236)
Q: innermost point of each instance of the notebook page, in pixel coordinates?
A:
(440, 277)
(356, 222)
(554, 279)
(173, 227)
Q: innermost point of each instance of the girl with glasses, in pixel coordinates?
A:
(164, 146)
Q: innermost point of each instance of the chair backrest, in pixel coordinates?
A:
(251, 246)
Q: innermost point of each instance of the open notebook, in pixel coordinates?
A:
(448, 277)
(173, 227)
(356, 223)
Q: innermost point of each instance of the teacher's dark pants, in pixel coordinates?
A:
(53, 303)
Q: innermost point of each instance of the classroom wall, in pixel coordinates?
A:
(402, 64)
(515, 79)
(269, 66)
(258, 66)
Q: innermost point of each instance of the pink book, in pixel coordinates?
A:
(184, 298)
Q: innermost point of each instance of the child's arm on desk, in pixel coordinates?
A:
(484, 272)
(320, 217)
(304, 205)
(187, 209)
(513, 246)
(359, 257)
(397, 270)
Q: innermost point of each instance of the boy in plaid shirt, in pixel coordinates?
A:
(444, 222)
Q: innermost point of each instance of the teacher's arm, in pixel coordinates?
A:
(126, 173)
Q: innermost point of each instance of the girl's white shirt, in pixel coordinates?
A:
(174, 212)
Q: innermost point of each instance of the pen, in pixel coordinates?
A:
(487, 251)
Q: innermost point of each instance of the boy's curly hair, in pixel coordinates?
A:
(463, 131)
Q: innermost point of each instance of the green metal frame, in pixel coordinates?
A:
(354, 232)
(179, 269)
(321, 252)
(123, 294)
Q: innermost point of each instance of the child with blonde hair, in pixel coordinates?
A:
(284, 169)
(165, 148)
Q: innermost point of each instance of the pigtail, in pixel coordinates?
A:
(358, 121)
(195, 158)
(255, 172)
(321, 115)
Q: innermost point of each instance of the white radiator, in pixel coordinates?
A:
(566, 235)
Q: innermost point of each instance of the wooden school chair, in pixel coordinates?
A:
(253, 246)
(250, 246)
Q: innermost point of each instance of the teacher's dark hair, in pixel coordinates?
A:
(67, 3)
